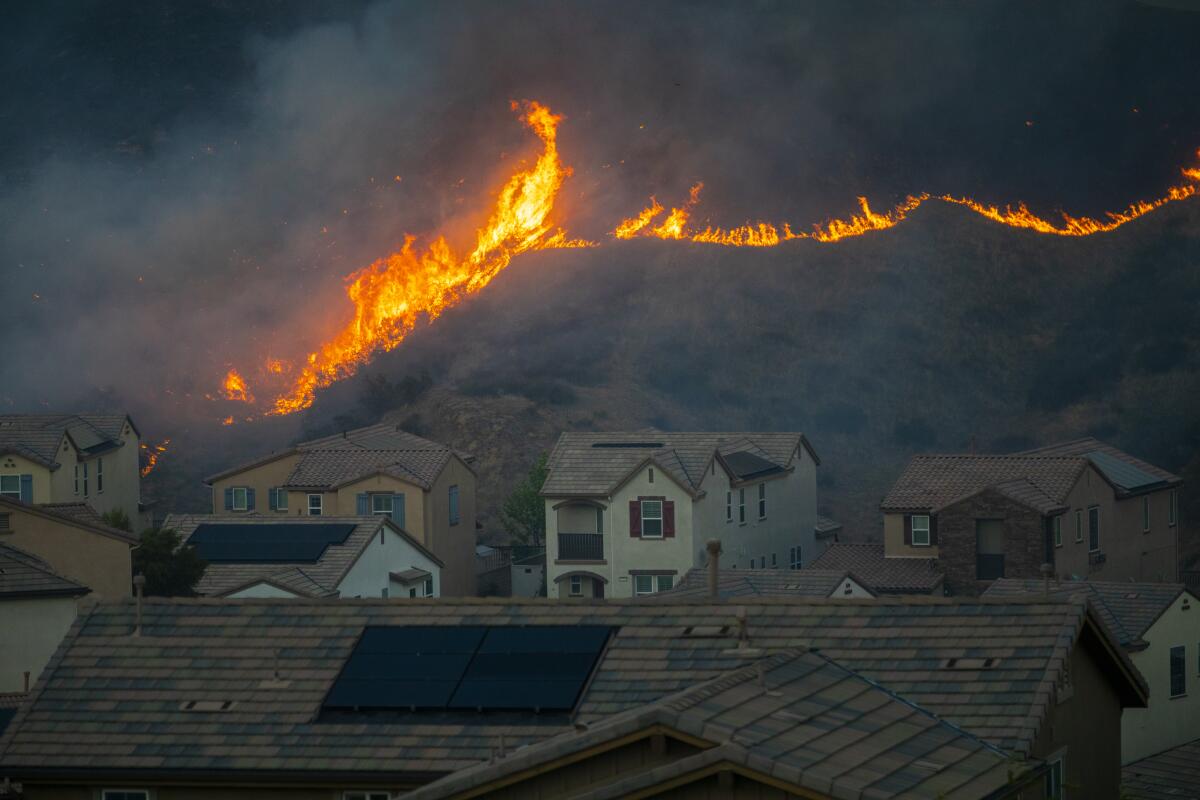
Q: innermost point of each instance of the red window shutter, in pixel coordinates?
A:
(635, 519)
(668, 518)
(908, 529)
(933, 530)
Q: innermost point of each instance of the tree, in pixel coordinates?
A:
(172, 569)
(523, 514)
(117, 518)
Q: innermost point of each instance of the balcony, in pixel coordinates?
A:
(581, 547)
(989, 566)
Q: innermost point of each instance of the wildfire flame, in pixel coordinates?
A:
(234, 388)
(152, 454)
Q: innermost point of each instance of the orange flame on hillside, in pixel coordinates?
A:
(234, 388)
(392, 295)
(152, 454)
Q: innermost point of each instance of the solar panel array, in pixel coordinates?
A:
(469, 668)
(1122, 473)
(275, 543)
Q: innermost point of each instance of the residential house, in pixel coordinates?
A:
(879, 574)
(367, 698)
(731, 583)
(627, 514)
(37, 606)
(74, 542)
(1170, 775)
(511, 570)
(71, 458)
(258, 556)
(1158, 624)
(1088, 509)
(426, 488)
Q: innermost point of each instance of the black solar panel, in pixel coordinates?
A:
(747, 465)
(276, 543)
(512, 668)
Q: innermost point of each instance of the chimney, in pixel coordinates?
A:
(714, 567)
(139, 581)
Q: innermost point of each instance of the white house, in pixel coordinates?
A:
(258, 556)
(628, 514)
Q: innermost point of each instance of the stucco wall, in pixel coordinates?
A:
(893, 540)
(100, 562)
(31, 630)
(262, 479)
(453, 544)
(15, 465)
(263, 590)
(369, 575)
(346, 500)
(1167, 722)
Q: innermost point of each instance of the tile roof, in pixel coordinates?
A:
(80, 511)
(69, 514)
(798, 717)
(594, 464)
(25, 575)
(1088, 446)
(1129, 609)
(1170, 775)
(879, 574)
(37, 436)
(121, 695)
(930, 482)
(758, 583)
(305, 579)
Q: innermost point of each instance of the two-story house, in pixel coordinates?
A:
(1087, 509)
(427, 489)
(628, 514)
(72, 458)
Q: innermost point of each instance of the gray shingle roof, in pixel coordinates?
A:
(594, 464)
(37, 436)
(879, 574)
(121, 695)
(25, 575)
(1170, 775)
(798, 717)
(930, 482)
(758, 583)
(1129, 609)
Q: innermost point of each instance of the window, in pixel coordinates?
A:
(920, 530)
(1178, 671)
(576, 586)
(762, 501)
(125, 794)
(278, 499)
(772, 559)
(1054, 780)
(1173, 507)
(1093, 529)
(76, 479)
(1145, 514)
(383, 593)
(652, 522)
(85, 482)
(664, 582)
(240, 502)
(429, 587)
(650, 584)
(742, 506)
(1058, 531)
(1078, 525)
(599, 520)
(794, 558)
(729, 506)
(314, 505)
(10, 486)
(381, 504)
(454, 516)
(652, 475)
(99, 476)
(412, 592)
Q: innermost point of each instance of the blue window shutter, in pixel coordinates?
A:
(398, 509)
(229, 499)
(249, 499)
(272, 499)
(363, 508)
(26, 488)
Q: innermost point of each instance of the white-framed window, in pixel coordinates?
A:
(279, 499)
(1056, 779)
(741, 506)
(10, 486)
(920, 530)
(124, 794)
(1093, 529)
(576, 586)
(315, 505)
(1057, 524)
(794, 557)
(1178, 658)
(762, 501)
(652, 584)
(1173, 507)
(382, 504)
(429, 587)
(453, 500)
(652, 519)
(366, 796)
(99, 476)
(729, 506)
(1078, 525)
(240, 501)
(76, 479)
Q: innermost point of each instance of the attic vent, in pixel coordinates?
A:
(705, 631)
(628, 445)
(206, 705)
(5, 521)
(1131, 596)
(928, 766)
(970, 663)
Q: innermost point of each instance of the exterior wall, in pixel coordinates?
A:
(30, 630)
(1130, 554)
(263, 590)
(262, 479)
(528, 580)
(122, 478)
(1166, 722)
(369, 576)
(893, 540)
(851, 588)
(345, 500)
(453, 544)
(42, 485)
(99, 562)
(1024, 540)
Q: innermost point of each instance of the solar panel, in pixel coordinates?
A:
(745, 464)
(275, 543)
(1122, 473)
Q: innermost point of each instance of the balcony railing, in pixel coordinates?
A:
(581, 547)
(989, 566)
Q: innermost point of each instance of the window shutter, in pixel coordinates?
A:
(26, 488)
(398, 509)
(249, 499)
(272, 500)
(908, 529)
(229, 498)
(635, 519)
(933, 530)
(362, 500)
(668, 518)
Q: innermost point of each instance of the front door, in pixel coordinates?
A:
(597, 588)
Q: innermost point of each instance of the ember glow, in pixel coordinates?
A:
(151, 455)
(234, 388)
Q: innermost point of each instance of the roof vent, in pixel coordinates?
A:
(207, 705)
(705, 631)
(1131, 596)
(970, 663)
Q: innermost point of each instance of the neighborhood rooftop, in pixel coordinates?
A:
(759, 583)
(1170, 775)
(866, 562)
(38, 436)
(25, 575)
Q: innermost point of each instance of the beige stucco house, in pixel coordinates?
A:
(628, 514)
(72, 458)
(427, 489)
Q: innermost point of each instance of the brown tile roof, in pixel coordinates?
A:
(1088, 445)
(797, 717)
(758, 583)
(930, 482)
(121, 695)
(68, 514)
(594, 464)
(25, 575)
(1129, 609)
(1170, 775)
(879, 574)
(80, 511)
(307, 580)
(37, 436)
